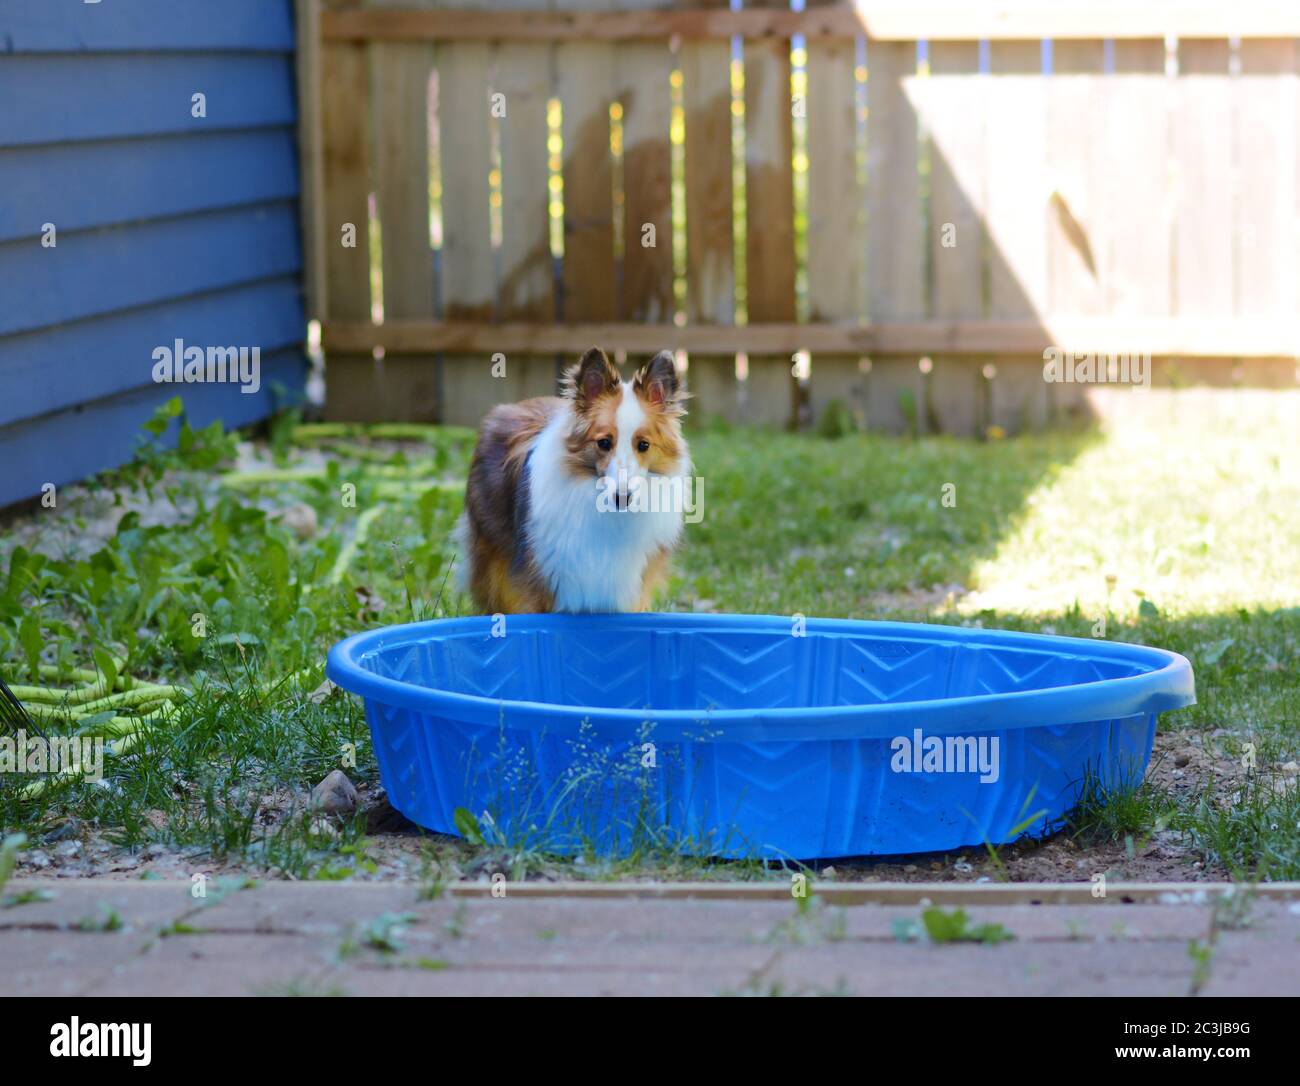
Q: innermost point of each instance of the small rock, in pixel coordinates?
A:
(1291, 767)
(37, 858)
(909, 868)
(963, 867)
(63, 832)
(68, 850)
(335, 795)
(704, 605)
(322, 827)
(322, 692)
(829, 873)
(300, 519)
(371, 602)
(1182, 758)
(152, 852)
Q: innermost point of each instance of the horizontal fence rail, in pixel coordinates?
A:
(898, 208)
(1161, 339)
(897, 20)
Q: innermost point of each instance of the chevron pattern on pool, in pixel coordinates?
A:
(724, 670)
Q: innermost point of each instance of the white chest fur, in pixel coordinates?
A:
(592, 558)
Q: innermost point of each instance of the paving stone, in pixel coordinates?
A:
(285, 936)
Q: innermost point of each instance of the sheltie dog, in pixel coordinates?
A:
(561, 511)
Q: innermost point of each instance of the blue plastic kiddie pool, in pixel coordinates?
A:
(750, 735)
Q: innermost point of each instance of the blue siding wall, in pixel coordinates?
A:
(168, 226)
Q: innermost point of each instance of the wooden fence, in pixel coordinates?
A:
(942, 192)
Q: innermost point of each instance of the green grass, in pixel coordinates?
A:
(1179, 528)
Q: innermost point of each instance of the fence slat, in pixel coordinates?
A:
(1077, 178)
(1266, 149)
(895, 241)
(468, 284)
(644, 70)
(406, 386)
(586, 88)
(836, 245)
(1136, 250)
(1075, 128)
(710, 241)
(527, 287)
(1202, 151)
(345, 100)
(953, 113)
(1267, 242)
(769, 221)
(1017, 221)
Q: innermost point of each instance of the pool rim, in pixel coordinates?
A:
(1168, 685)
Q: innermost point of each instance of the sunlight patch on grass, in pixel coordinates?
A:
(1192, 508)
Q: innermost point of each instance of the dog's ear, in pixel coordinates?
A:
(589, 379)
(658, 382)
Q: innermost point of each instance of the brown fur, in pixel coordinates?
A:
(499, 583)
(503, 581)
(654, 578)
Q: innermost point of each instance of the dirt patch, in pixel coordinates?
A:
(936, 599)
(1185, 765)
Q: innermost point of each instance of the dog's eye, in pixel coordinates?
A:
(605, 443)
(643, 445)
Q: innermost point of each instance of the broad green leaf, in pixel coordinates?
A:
(107, 667)
(467, 825)
(29, 636)
(1215, 652)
